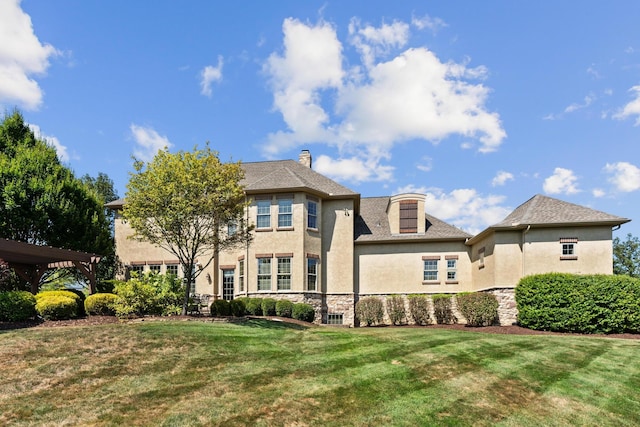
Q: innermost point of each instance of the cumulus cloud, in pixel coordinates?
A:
(22, 56)
(365, 111)
(563, 181)
(598, 192)
(624, 176)
(433, 24)
(426, 164)
(210, 75)
(632, 108)
(466, 208)
(61, 150)
(353, 169)
(501, 178)
(148, 142)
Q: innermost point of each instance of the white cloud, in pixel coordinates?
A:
(624, 176)
(598, 192)
(433, 24)
(148, 142)
(501, 178)
(209, 75)
(426, 164)
(465, 208)
(414, 95)
(588, 100)
(353, 169)
(632, 108)
(563, 181)
(21, 57)
(61, 150)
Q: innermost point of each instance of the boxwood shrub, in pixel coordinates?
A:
(284, 308)
(303, 311)
(442, 309)
(268, 307)
(254, 306)
(57, 307)
(395, 309)
(238, 307)
(579, 303)
(79, 302)
(479, 308)
(369, 310)
(419, 309)
(101, 304)
(16, 306)
(220, 307)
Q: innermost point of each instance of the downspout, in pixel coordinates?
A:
(524, 240)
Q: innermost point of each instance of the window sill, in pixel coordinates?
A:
(262, 229)
(451, 282)
(284, 229)
(430, 282)
(315, 230)
(568, 258)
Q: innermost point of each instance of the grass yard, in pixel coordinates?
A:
(266, 373)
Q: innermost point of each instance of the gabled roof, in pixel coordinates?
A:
(372, 225)
(546, 211)
(288, 175)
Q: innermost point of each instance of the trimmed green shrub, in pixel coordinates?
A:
(369, 310)
(419, 309)
(303, 311)
(268, 307)
(395, 309)
(254, 306)
(284, 308)
(442, 309)
(154, 294)
(16, 306)
(238, 307)
(220, 307)
(57, 307)
(479, 308)
(63, 293)
(579, 303)
(102, 304)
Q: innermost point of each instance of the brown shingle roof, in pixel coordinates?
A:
(541, 210)
(372, 225)
(289, 175)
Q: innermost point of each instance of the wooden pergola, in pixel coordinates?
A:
(31, 261)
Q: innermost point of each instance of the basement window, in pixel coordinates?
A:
(335, 318)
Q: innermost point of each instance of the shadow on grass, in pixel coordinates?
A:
(267, 323)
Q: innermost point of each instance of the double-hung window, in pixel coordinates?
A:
(430, 270)
(312, 214)
(241, 276)
(285, 213)
(263, 219)
(264, 274)
(172, 269)
(452, 269)
(312, 274)
(284, 273)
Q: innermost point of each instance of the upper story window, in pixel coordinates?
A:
(408, 216)
(232, 228)
(312, 214)
(285, 213)
(263, 219)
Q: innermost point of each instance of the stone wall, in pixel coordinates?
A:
(507, 309)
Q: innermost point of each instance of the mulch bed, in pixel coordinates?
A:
(103, 320)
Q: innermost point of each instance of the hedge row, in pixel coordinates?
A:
(263, 307)
(59, 305)
(17, 306)
(579, 303)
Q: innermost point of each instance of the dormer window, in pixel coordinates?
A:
(408, 216)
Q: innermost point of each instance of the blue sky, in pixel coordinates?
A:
(478, 105)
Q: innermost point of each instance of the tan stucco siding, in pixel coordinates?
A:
(483, 263)
(336, 262)
(507, 259)
(399, 268)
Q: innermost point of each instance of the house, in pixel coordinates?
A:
(319, 242)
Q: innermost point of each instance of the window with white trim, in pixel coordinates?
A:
(241, 275)
(137, 268)
(264, 274)
(154, 268)
(285, 213)
(284, 274)
(312, 214)
(312, 274)
(232, 228)
(452, 269)
(263, 219)
(430, 269)
(172, 269)
(335, 318)
(569, 246)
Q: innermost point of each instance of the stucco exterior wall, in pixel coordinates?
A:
(336, 261)
(483, 263)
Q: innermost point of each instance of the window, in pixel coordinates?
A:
(232, 228)
(241, 276)
(312, 274)
(264, 214)
(481, 257)
(284, 274)
(155, 268)
(192, 285)
(568, 249)
(172, 269)
(409, 216)
(568, 245)
(285, 213)
(430, 269)
(137, 268)
(452, 266)
(334, 318)
(312, 214)
(264, 274)
(227, 284)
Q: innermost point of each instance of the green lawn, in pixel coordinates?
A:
(266, 373)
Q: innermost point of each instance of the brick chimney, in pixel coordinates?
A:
(305, 158)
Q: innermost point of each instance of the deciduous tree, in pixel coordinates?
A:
(626, 256)
(183, 202)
